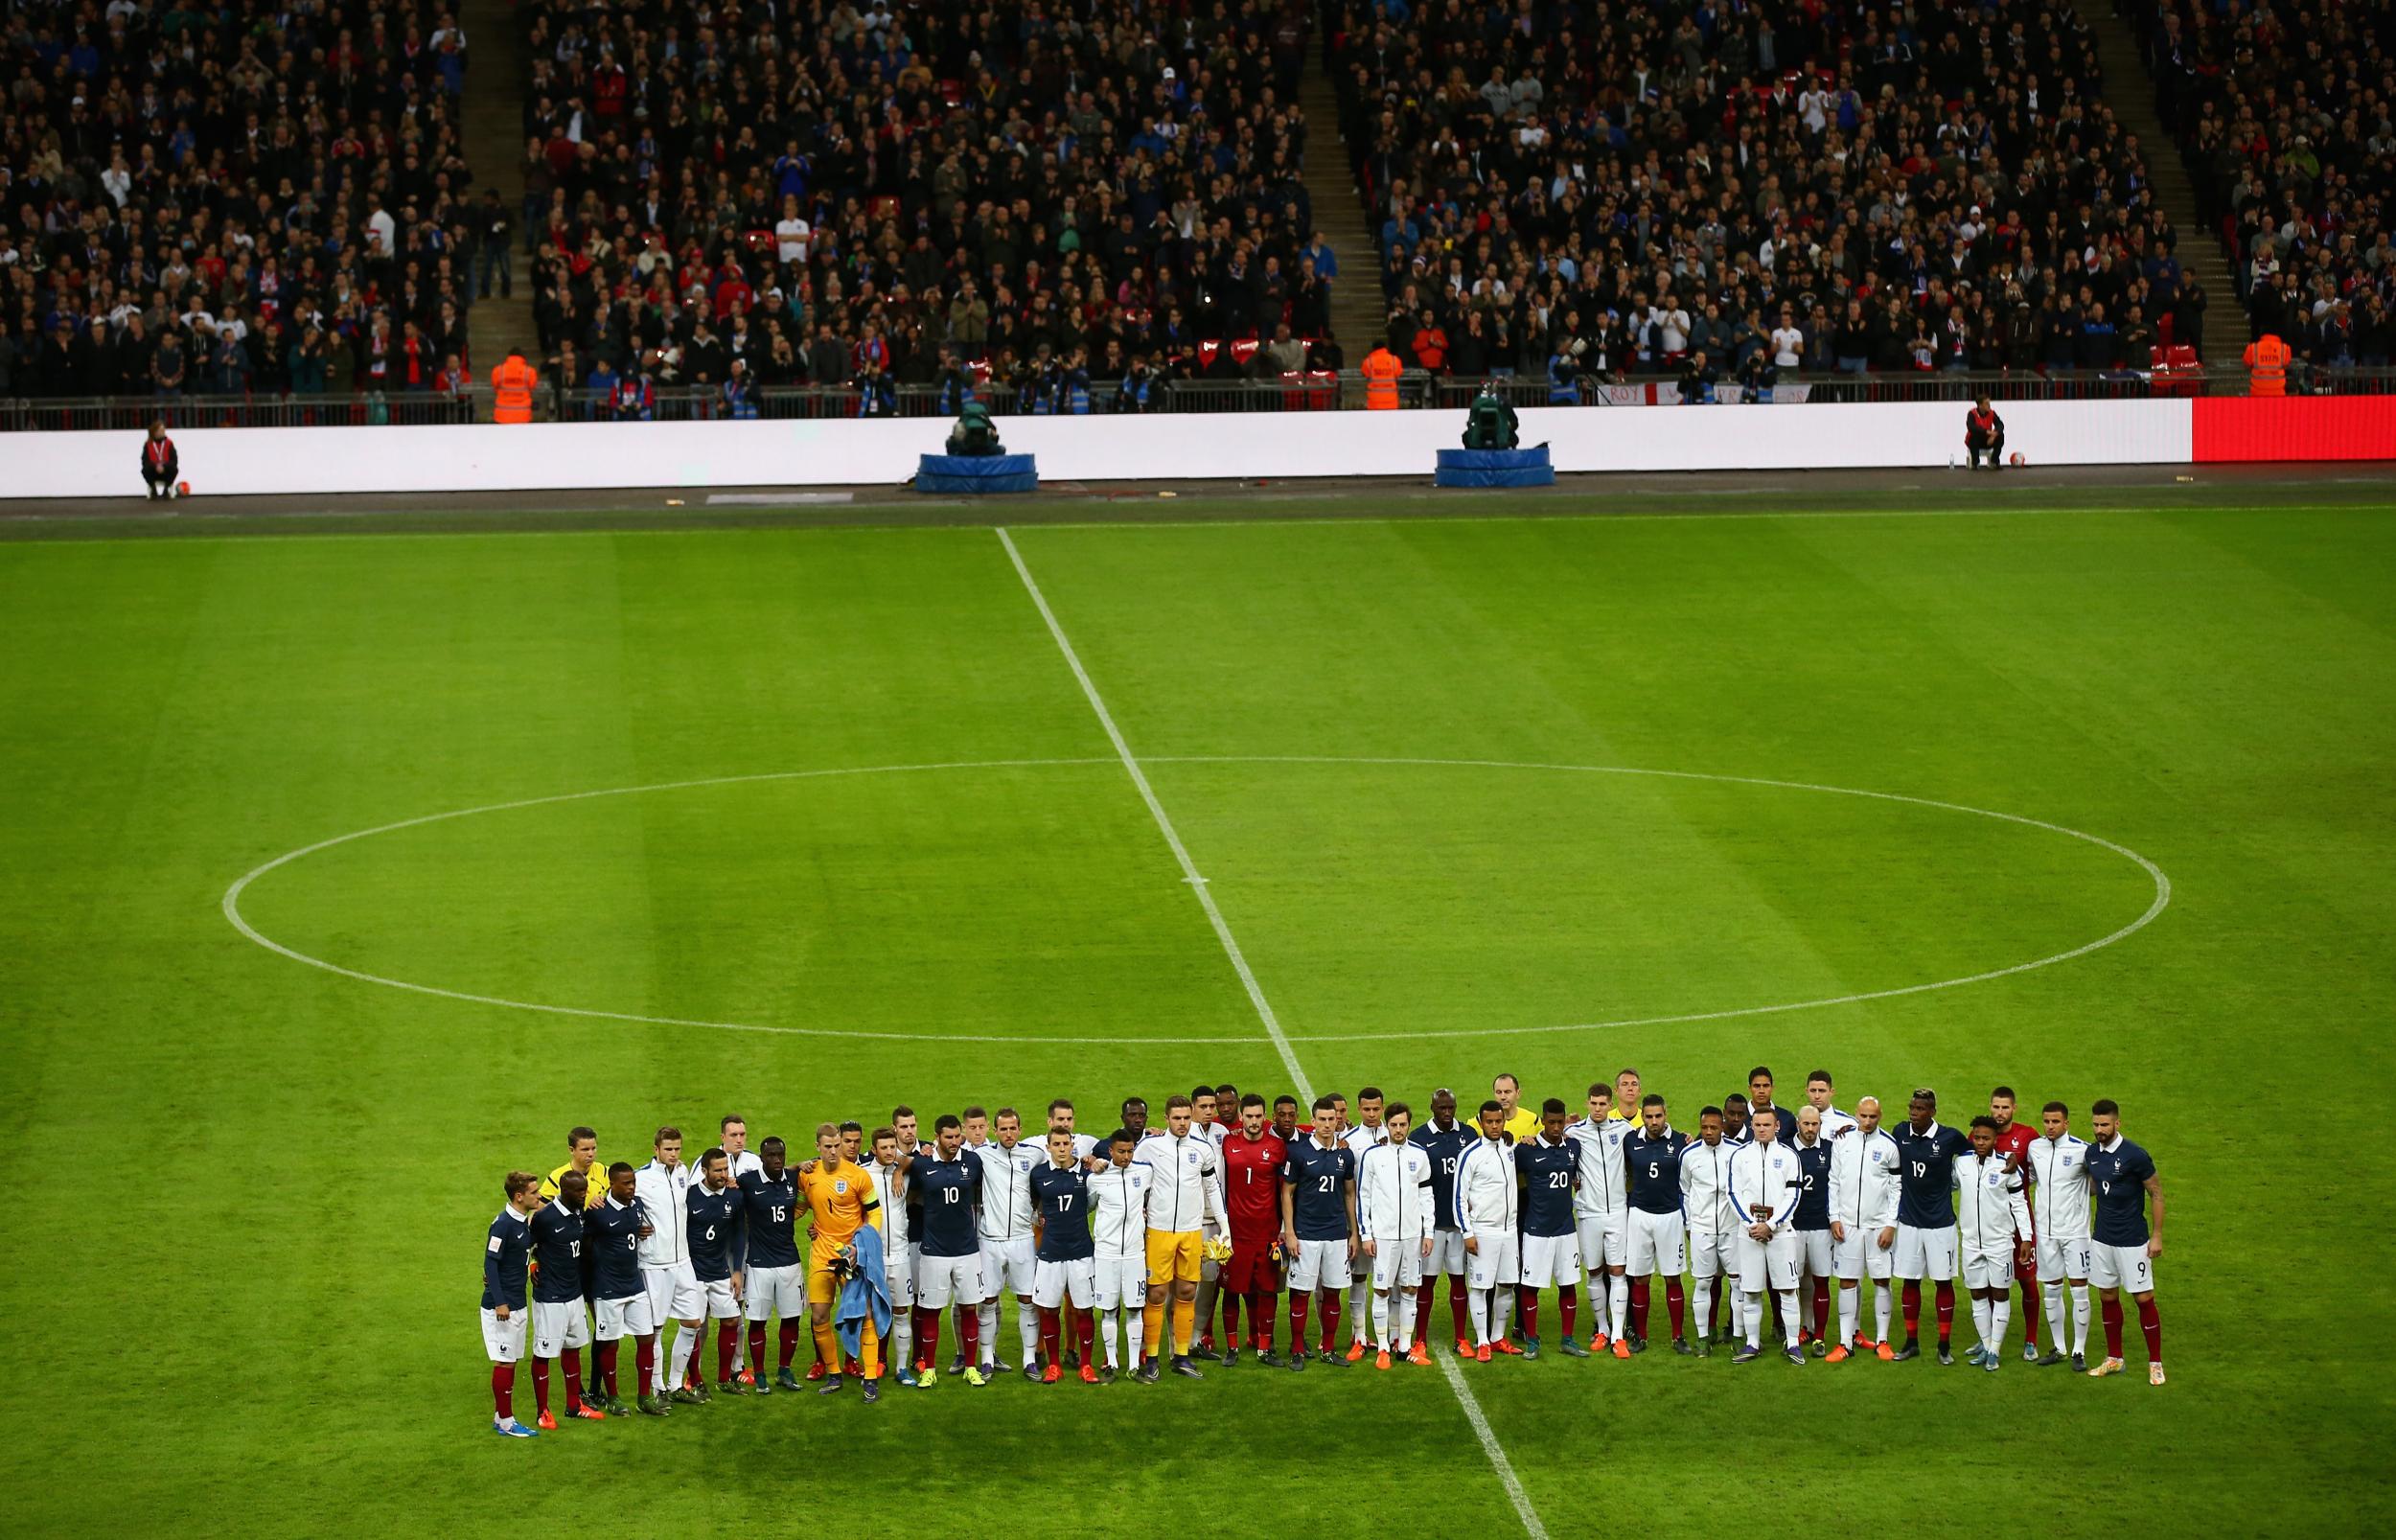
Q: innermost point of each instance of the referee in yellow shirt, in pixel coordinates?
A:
(1520, 1121)
(583, 1146)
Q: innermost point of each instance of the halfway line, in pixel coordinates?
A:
(1473, 1415)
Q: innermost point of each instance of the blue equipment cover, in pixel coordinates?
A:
(1497, 467)
(974, 473)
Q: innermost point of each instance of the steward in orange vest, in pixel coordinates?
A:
(512, 390)
(2267, 366)
(1381, 371)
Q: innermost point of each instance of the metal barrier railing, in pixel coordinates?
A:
(1326, 391)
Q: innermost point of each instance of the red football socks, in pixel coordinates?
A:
(2150, 1321)
(727, 1339)
(1822, 1307)
(644, 1362)
(1565, 1299)
(503, 1389)
(1049, 1332)
(1909, 1301)
(606, 1376)
(969, 1336)
(786, 1344)
(2111, 1310)
(1086, 1325)
(927, 1338)
(1459, 1309)
(573, 1383)
(1297, 1298)
(1639, 1307)
(1260, 1318)
(1677, 1301)
(540, 1385)
(1947, 1312)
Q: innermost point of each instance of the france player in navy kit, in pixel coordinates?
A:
(507, 1252)
(1445, 1139)
(2122, 1256)
(1926, 1153)
(717, 1218)
(1549, 1166)
(1065, 1265)
(1659, 1236)
(1814, 1222)
(773, 1279)
(561, 1322)
(619, 1295)
(949, 1181)
(1319, 1228)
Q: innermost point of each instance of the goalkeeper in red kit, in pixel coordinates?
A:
(1252, 1191)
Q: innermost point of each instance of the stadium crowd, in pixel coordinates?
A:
(1759, 187)
(1118, 1251)
(2286, 116)
(236, 198)
(848, 194)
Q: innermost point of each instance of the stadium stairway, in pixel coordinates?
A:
(1356, 310)
(2131, 90)
(492, 126)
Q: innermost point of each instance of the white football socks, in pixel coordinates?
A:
(1027, 1326)
(2079, 1306)
(1849, 1296)
(1749, 1318)
(1980, 1321)
(1381, 1320)
(1480, 1299)
(1883, 1295)
(1618, 1303)
(1790, 1331)
(1405, 1320)
(2001, 1315)
(988, 1312)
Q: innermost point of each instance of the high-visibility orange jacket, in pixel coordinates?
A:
(2267, 366)
(512, 390)
(1381, 371)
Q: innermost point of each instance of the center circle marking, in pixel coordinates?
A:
(232, 902)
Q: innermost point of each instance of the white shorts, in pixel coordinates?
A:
(1814, 1251)
(1551, 1260)
(1319, 1265)
(721, 1305)
(1859, 1254)
(1710, 1252)
(674, 1293)
(945, 1278)
(1926, 1253)
(1604, 1241)
(1054, 1282)
(1991, 1268)
(628, 1316)
(2062, 1259)
(2121, 1267)
(560, 1328)
(1770, 1266)
(1498, 1262)
(1396, 1262)
(1659, 1243)
(776, 1291)
(1007, 1266)
(504, 1340)
(1448, 1255)
(899, 1276)
(1122, 1280)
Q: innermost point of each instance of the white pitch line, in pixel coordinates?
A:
(1164, 825)
(1473, 1415)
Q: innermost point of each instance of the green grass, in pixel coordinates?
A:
(251, 1193)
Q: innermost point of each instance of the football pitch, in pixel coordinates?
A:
(345, 873)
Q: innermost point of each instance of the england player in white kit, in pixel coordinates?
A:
(1118, 1227)
(1863, 1228)
(1764, 1187)
(1992, 1219)
(2058, 1202)
(1602, 1214)
(1488, 1211)
(1705, 1200)
(662, 1190)
(1007, 1163)
(1365, 1133)
(1395, 1199)
(889, 1167)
